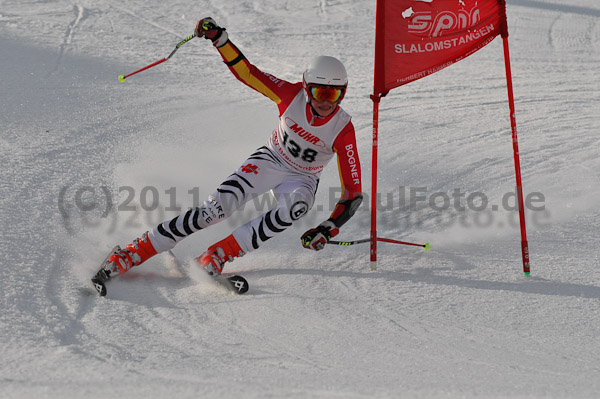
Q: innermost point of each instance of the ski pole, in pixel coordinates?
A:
(181, 43)
(425, 246)
(346, 243)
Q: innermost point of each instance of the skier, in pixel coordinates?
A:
(312, 127)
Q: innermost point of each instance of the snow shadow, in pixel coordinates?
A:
(528, 285)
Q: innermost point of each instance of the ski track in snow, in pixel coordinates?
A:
(141, 18)
(456, 322)
(80, 14)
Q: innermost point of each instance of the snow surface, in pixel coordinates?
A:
(460, 321)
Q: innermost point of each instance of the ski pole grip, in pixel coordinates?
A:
(208, 25)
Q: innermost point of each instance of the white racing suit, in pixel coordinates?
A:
(289, 165)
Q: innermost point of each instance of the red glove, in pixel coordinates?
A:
(319, 236)
(208, 29)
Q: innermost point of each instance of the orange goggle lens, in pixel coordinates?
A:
(326, 93)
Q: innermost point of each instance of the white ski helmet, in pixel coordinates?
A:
(326, 71)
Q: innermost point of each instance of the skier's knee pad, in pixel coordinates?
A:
(298, 209)
(295, 204)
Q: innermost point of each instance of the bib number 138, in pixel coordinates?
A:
(307, 154)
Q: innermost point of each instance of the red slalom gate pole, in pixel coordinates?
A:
(513, 126)
(376, 99)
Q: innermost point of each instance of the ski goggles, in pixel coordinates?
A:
(326, 93)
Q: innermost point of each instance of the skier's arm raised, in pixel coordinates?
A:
(279, 91)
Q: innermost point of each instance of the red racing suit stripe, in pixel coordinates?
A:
(279, 91)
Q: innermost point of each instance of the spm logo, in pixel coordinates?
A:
(439, 24)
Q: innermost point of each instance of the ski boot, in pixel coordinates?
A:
(120, 261)
(217, 254)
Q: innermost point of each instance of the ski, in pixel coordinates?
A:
(99, 286)
(102, 276)
(236, 284)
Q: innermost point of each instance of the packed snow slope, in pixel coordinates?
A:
(89, 162)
